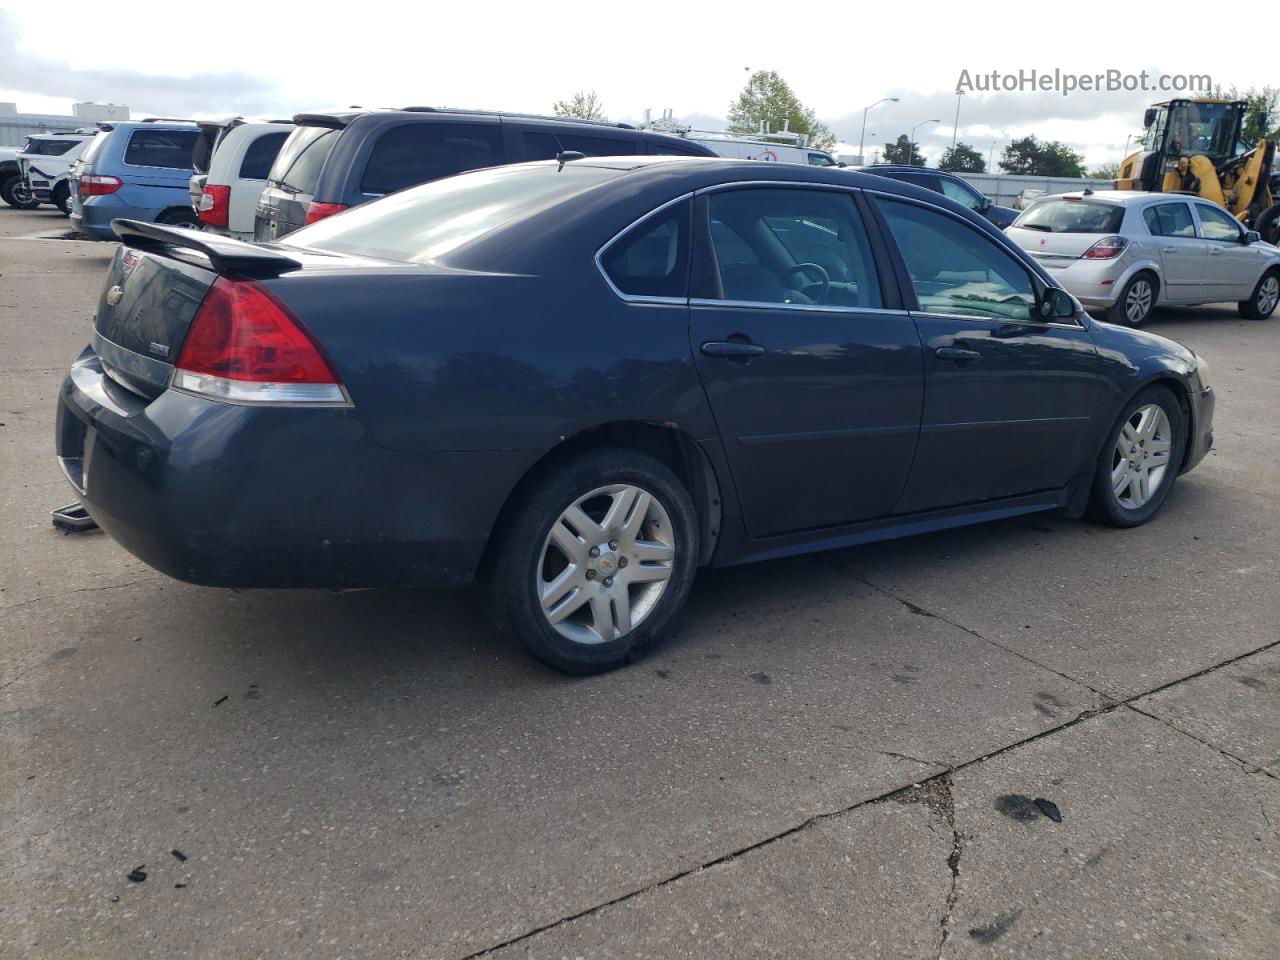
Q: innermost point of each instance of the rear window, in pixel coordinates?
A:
(1072, 216)
(431, 221)
(297, 166)
(261, 155)
(546, 145)
(49, 148)
(420, 152)
(161, 148)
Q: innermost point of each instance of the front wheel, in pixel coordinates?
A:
(595, 561)
(15, 193)
(1265, 297)
(1140, 460)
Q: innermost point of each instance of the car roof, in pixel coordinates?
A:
(341, 118)
(1122, 198)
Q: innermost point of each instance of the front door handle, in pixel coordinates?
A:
(957, 354)
(1170, 249)
(1215, 252)
(731, 349)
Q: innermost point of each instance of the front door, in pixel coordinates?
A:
(1010, 402)
(1232, 269)
(815, 384)
(1182, 251)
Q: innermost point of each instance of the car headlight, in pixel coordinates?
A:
(1202, 371)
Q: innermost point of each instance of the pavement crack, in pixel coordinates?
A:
(1247, 765)
(58, 596)
(907, 756)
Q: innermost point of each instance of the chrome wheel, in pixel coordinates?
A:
(1137, 302)
(606, 563)
(1268, 294)
(1141, 456)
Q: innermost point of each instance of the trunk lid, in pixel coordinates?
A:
(1053, 249)
(1058, 230)
(291, 184)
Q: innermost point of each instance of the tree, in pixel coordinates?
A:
(962, 158)
(1030, 157)
(768, 99)
(903, 151)
(1261, 103)
(581, 106)
(1108, 171)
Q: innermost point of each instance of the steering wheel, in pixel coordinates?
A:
(825, 280)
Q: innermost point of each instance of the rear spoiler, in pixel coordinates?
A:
(226, 254)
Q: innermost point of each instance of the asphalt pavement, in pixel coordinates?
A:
(1036, 738)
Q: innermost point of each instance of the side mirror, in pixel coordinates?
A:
(1057, 305)
(984, 203)
(1149, 117)
(1251, 236)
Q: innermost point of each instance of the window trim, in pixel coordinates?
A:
(634, 297)
(853, 193)
(905, 277)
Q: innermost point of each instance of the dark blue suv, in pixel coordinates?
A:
(949, 185)
(136, 170)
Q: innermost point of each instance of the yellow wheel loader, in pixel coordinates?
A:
(1195, 147)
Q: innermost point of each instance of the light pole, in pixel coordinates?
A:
(956, 132)
(865, 110)
(991, 155)
(911, 155)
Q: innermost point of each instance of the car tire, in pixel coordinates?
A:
(1265, 297)
(180, 218)
(594, 598)
(61, 198)
(15, 195)
(1120, 497)
(1136, 301)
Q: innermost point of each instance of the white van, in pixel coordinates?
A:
(739, 148)
(45, 163)
(230, 163)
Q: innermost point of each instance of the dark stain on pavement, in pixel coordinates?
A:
(1017, 806)
(761, 678)
(997, 928)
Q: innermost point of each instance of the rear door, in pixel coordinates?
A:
(1182, 252)
(1232, 268)
(813, 371)
(157, 165)
(1010, 402)
(291, 184)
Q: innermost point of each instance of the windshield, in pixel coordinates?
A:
(297, 166)
(426, 223)
(1195, 129)
(1071, 216)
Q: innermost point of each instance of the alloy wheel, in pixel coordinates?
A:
(606, 563)
(1268, 294)
(1137, 302)
(1140, 459)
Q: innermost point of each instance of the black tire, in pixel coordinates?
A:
(179, 217)
(516, 559)
(1118, 312)
(1265, 296)
(61, 198)
(1104, 503)
(11, 192)
(1268, 224)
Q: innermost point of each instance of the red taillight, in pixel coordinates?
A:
(1108, 248)
(95, 185)
(215, 205)
(318, 211)
(245, 346)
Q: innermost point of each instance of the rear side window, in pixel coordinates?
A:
(652, 258)
(543, 145)
(297, 166)
(261, 155)
(955, 269)
(1169, 220)
(160, 148)
(1072, 216)
(420, 152)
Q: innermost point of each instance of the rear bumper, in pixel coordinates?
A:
(243, 496)
(1095, 283)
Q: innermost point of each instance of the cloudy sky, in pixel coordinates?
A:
(228, 56)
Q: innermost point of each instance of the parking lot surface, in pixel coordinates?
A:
(1040, 737)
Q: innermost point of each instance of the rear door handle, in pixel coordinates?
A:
(1170, 249)
(957, 354)
(731, 349)
(1215, 252)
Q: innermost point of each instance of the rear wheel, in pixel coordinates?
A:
(62, 197)
(1135, 302)
(595, 561)
(1140, 460)
(14, 192)
(179, 217)
(1265, 297)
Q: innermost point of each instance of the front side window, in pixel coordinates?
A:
(1217, 224)
(652, 259)
(421, 152)
(799, 247)
(955, 269)
(959, 192)
(820, 160)
(260, 155)
(161, 148)
(1169, 220)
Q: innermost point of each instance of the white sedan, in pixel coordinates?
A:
(1122, 253)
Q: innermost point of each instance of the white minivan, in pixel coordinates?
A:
(229, 164)
(740, 148)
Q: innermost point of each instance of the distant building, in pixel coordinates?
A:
(15, 127)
